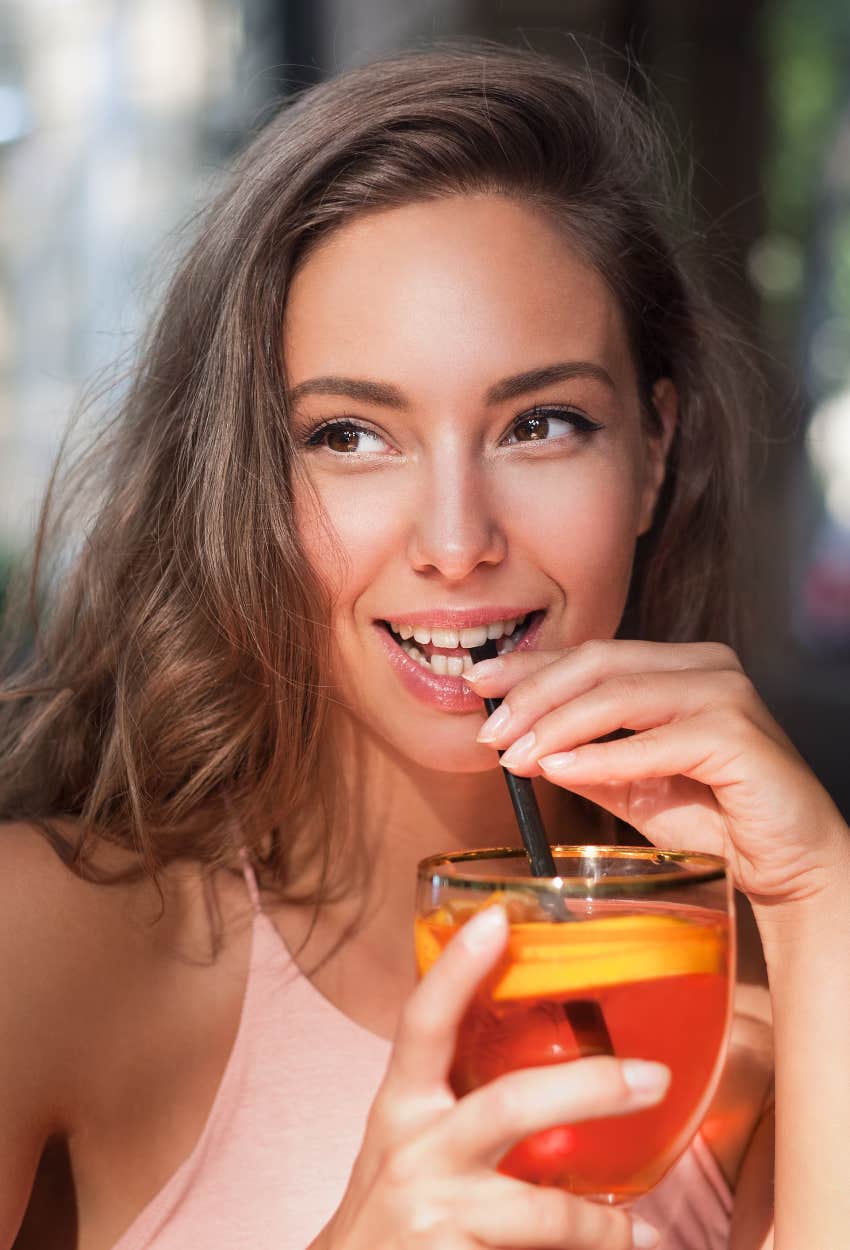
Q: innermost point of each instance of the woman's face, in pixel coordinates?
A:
(467, 411)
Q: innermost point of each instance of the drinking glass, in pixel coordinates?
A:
(628, 950)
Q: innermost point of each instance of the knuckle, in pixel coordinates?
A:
(381, 1121)
(730, 725)
(592, 1224)
(644, 743)
(721, 655)
(525, 696)
(400, 1168)
(590, 656)
(427, 1220)
(505, 1105)
(551, 1215)
(623, 688)
(442, 1234)
(739, 685)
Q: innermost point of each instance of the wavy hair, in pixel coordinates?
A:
(177, 674)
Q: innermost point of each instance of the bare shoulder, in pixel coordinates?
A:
(85, 966)
(56, 927)
(61, 944)
(41, 923)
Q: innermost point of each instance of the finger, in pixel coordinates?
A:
(495, 677)
(510, 1213)
(708, 747)
(485, 1123)
(632, 701)
(425, 1039)
(579, 669)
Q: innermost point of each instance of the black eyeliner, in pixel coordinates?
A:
(582, 423)
(313, 437)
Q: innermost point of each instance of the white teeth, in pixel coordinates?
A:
(475, 637)
(452, 665)
(451, 639)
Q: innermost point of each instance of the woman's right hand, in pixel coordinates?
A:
(426, 1174)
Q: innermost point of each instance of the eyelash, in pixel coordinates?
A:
(583, 425)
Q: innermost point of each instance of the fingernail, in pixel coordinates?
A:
(644, 1236)
(645, 1078)
(479, 933)
(484, 668)
(494, 724)
(562, 762)
(520, 751)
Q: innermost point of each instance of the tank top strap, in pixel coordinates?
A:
(250, 879)
(244, 859)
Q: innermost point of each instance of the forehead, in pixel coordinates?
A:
(449, 291)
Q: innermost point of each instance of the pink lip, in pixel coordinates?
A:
(459, 618)
(447, 694)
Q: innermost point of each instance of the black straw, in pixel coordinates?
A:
(584, 1015)
(522, 794)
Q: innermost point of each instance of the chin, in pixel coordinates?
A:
(448, 758)
(447, 746)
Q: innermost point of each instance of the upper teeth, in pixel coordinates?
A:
(473, 637)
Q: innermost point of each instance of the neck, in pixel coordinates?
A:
(406, 811)
(390, 814)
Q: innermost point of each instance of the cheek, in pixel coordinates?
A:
(581, 529)
(347, 536)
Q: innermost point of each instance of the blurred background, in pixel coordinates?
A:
(118, 117)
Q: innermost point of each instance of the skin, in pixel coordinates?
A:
(427, 514)
(454, 515)
(434, 508)
(439, 508)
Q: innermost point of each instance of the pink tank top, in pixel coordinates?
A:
(274, 1157)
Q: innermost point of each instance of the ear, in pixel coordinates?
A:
(665, 401)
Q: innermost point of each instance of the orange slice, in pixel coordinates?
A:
(545, 960)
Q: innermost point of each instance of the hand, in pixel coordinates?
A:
(706, 766)
(425, 1176)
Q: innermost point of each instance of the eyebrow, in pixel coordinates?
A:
(384, 395)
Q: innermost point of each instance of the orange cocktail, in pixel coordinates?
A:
(650, 952)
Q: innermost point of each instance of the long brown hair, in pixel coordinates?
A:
(176, 675)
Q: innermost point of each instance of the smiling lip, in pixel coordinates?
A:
(446, 694)
(458, 618)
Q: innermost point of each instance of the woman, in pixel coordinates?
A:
(433, 364)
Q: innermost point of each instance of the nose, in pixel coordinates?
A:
(455, 525)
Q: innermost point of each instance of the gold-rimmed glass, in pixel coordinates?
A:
(639, 938)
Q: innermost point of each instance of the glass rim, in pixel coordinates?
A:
(446, 870)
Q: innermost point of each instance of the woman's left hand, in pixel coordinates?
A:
(705, 767)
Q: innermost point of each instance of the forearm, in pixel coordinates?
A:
(807, 948)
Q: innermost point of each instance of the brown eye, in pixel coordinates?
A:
(531, 429)
(341, 438)
(552, 425)
(346, 438)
